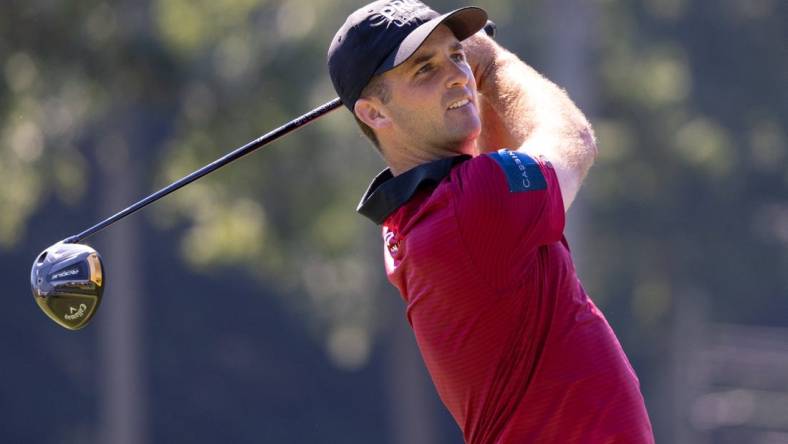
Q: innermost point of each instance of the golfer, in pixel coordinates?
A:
(484, 158)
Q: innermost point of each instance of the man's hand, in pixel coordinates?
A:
(480, 51)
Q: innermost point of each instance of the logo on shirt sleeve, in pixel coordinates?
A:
(522, 172)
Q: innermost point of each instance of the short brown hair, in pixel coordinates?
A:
(375, 88)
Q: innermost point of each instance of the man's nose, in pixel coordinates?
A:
(459, 74)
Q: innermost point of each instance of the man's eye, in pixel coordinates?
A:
(424, 69)
(458, 57)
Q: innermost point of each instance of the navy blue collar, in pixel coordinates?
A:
(386, 193)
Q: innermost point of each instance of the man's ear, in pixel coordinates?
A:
(370, 112)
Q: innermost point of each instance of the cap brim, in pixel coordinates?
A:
(463, 22)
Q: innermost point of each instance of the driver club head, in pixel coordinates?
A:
(68, 282)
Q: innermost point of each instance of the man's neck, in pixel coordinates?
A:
(403, 158)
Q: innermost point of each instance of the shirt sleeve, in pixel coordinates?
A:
(507, 204)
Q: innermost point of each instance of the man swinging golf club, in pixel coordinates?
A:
(485, 156)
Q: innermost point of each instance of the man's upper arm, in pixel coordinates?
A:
(507, 205)
(571, 166)
(569, 179)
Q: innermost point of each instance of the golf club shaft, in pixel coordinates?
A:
(215, 165)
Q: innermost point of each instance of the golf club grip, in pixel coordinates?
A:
(213, 166)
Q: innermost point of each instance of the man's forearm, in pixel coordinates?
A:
(523, 110)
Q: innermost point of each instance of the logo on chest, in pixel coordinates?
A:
(393, 242)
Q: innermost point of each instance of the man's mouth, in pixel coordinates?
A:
(459, 103)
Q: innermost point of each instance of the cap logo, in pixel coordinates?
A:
(398, 12)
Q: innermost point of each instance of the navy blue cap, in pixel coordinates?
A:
(385, 33)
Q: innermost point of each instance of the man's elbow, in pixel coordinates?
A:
(588, 149)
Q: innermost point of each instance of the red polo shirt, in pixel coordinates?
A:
(516, 349)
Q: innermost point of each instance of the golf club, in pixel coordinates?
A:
(68, 278)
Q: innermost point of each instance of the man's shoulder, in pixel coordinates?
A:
(514, 170)
(477, 184)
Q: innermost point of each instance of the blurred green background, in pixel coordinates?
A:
(251, 306)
